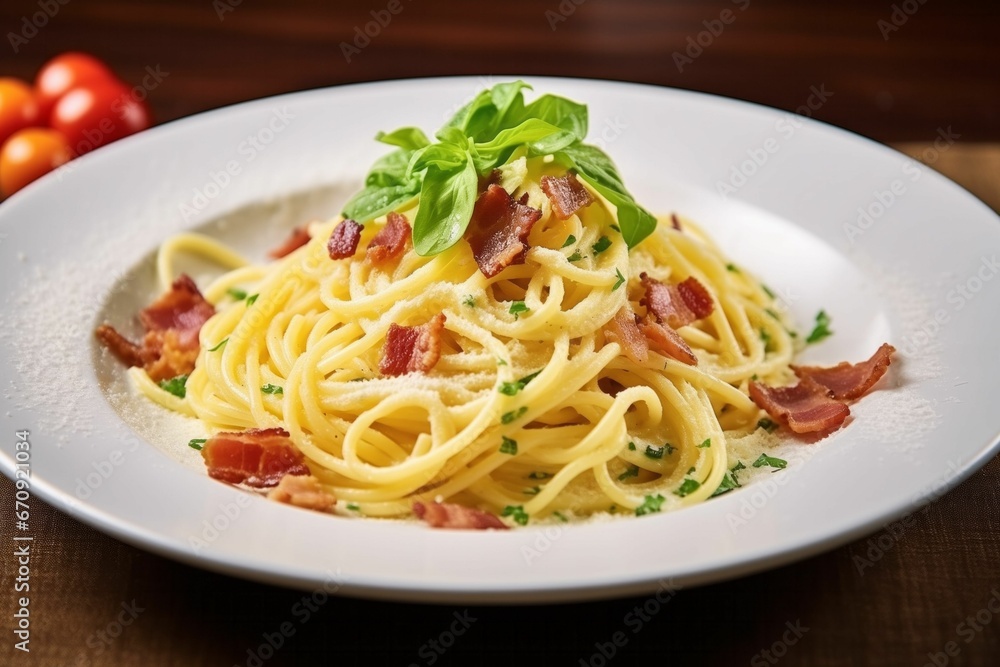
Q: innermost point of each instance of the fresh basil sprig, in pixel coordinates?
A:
(481, 136)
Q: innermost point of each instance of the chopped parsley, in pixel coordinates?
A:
(602, 244)
(508, 417)
(575, 257)
(251, 299)
(654, 452)
(732, 267)
(687, 487)
(354, 507)
(631, 471)
(533, 491)
(272, 389)
(236, 293)
(620, 281)
(765, 460)
(729, 482)
(511, 388)
(707, 443)
(650, 505)
(219, 346)
(509, 446)
(631, 446)
(559, 515)
(768, 425)
(197, 443)
(518, 307)
(668, 448)
(767, 291)
(822, 328)
(772, 313)
(175, 386)
(570, 240)
(469, 301)
(501, 361)
(690, 470)
(766, 337)
(517, 513)
(539, 475)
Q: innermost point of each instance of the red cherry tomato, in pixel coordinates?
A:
(64, 72)
(18, 107)
(29, 154)
(97, 113)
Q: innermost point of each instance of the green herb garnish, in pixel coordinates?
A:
(650, 505)
(653, 452)
(822, 328)
(469, 301)
(272, 389)
(570, 240)
(509, 446)
(517, 513)
(539, 475)
(765, 460)
(768, 425)
(175, 386)
(236, 293)
(559, 515)
(575, 257)
(197, 443)
(219, 345)
(533, 491)
(630, 471)
(518, 307)
(687, 487)
(602, 244)
(620, 281)
(354, 507)
(631, 446)
(732, 267)
(251, 299)
(508, 417)
(511, 388)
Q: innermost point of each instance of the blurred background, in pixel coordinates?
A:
(904, 73)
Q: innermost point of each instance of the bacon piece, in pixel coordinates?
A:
(255, 457)
(498, 231)
(410, 349)
(675, 222)
(663, 338)
(678, 304)
(344, 239)
(296, 239)
(804, 409)
(183, 309)
(623, 330)
(172, 322)
(567, 194)
(450, 515)
(390, 241)
(847, 381)
(302, 491)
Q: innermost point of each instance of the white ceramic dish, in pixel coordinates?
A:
(919, 271)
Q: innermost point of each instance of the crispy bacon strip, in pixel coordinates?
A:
(255, 457)
(172, 322)
(389, 243)
(412, 349)
(663, 338)
(675, 222)
(498, 231)
(804, 409)
(623, 330)
(567, 194)
(450, 515)
(817, 402)
(679, 304)
(296, 239)
(302, 491)
(847, 381)
(344, 239)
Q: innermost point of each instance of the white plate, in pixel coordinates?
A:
(921, 274)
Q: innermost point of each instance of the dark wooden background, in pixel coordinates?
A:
(927, 583)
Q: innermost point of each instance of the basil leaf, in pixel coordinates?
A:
(446, 202)
(375, 201)
(599, 171)
(409, 138)
(497, 150)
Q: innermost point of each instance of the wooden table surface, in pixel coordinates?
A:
(899, 72)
